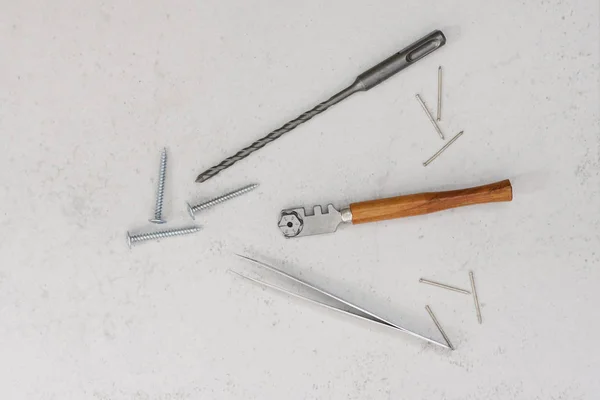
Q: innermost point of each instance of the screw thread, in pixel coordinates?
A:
(163, 234)
(224, 198)
(161, 186)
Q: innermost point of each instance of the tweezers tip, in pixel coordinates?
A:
(243, 276)
(243, 256)
(445, 346)
(256, 261)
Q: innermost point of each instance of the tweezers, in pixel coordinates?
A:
(356, 311)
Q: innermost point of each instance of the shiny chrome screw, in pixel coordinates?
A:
(160, 193)
(142, 237)
(202, 206)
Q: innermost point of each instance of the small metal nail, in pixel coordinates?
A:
(435, 321)
(435, 125)
(439, 105)
(475, 298)
(454, 289)
(440, 151)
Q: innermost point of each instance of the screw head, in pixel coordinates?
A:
(290, 224)
(191, 211)
(157, 221)
(128, 239)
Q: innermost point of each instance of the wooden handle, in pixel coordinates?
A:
(425, 203)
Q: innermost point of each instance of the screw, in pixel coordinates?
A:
(161, 189)
(142, 237)
(221, 199)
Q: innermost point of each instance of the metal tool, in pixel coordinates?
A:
(475, 298)
(428, 113)
(454, 289)
(440, 151)
(218, 200)
(439, 105)
(142, 237)
(435, 321)
(160, 193)
(354, 310)
(296, 222)
(365, 81)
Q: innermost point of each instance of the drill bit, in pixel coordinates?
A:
(363, 82)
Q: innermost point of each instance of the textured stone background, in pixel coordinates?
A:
(91, 90)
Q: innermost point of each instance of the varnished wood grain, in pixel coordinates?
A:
(425, 203)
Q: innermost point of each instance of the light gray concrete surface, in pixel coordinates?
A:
(90, 91)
